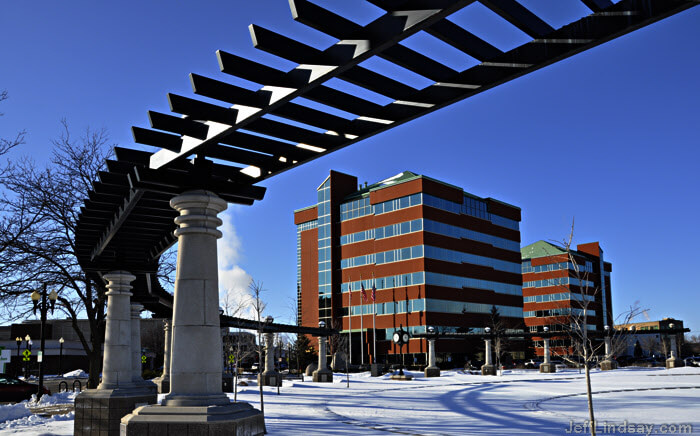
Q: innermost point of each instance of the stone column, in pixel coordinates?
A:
(269, 377)
(117, 367)
(322, 374)
(163, 382)
(673, 361)
(547, 366)
(99, 410)
(488, 368)
(196, 368)
(432, 370)
(608, 364)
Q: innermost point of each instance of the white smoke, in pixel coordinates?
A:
(233, 280)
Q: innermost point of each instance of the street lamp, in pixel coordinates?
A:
(43, 307)
(60, 357)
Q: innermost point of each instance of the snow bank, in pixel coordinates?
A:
(78, 373)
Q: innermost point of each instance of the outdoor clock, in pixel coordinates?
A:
(397, 337)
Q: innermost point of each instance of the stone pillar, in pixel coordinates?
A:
(431, 370)
(608, 364)
(488, 368)
(99, 410)
(547, 366)
(673, 361)
(322, 374)
(196, 398)
(269, 377)
(163, 382)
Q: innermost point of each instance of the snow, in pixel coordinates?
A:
(520, 402)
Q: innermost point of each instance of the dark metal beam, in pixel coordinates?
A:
(597, 5)
(183, 126)
(519, 16)
(157, 139)
(200, 110)
(461, 39)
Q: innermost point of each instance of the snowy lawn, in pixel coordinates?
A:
(627, 401)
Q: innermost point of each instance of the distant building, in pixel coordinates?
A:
(437, 255)
(653, 337)
(553, 293)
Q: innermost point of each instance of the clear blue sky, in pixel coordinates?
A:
(609, 137)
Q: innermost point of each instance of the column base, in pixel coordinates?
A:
(376, 369)
(147, 385)
(269, 378)
(608, 365)
(323, 376)
(548, 368)
(432, 371)
(99, 411)
(488, 370)
(673, 362)
(239, 419)
(310, 368)
(162, 384)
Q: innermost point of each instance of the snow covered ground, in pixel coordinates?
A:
(628, 401)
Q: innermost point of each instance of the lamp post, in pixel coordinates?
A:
(60, 357)
(43, 307)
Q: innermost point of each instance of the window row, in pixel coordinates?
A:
(430, 252)
(459, 232)
(451, 281)
(564, 311)
(307, 225)
(416, 278)
(476, 211)
(528, 268)
(383, 232)
(447, 306)
(389, 308)
(559, 281)
(398, 203)
(355, 209)
(560, 296)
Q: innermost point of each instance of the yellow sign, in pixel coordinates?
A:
(26, 354)
(143, 359)
(231, 358)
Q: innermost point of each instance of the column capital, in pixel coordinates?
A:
(198, 212)
(119, 282)
(136, 309)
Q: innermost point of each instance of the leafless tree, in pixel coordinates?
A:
(573, 321)
(40, 208)
(255, 290)
(5, 143)
(241, 349)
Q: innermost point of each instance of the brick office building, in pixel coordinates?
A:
(553, 292)
(437, 255)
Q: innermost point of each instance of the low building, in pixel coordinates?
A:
(652, 338)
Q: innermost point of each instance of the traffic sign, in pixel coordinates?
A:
(231, 358)
(143, 359)
(26, 353)
(39, 356)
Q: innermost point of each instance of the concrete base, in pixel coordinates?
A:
(323, 376)
(404, 377)
(270, 378)
(673, 362)
(432, 371)
(608, 365)
(99, 411)
(548, 368)
(310, 369)
(162, 384)
(239, 419)
(148, 385)
(376, 369)
(488, 370)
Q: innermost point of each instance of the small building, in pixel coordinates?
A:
(436, 255)
(562, 290)
(651, 338)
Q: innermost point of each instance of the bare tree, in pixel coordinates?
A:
(40, 208)
(5, 143)
(240, 345)
(498, 327)
(573, 321)
(255, 291)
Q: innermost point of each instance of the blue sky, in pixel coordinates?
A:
(608, 137)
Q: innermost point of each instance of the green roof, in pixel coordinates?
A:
(540, 249)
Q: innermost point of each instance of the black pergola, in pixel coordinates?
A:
(126, 222)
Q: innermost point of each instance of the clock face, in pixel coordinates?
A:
(397, 337)
(405, 338)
